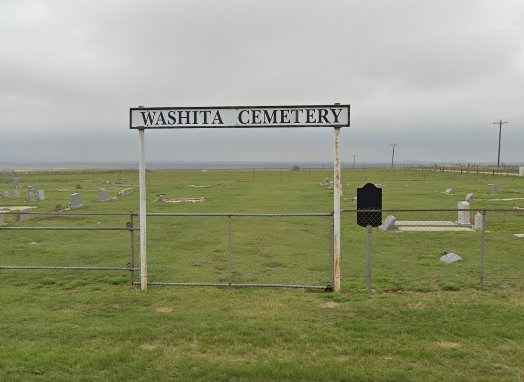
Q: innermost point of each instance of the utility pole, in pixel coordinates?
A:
(500, 133)
(393, 154)
(354, 156)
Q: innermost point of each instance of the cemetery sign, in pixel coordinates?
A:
(334, 116)
(239, 117)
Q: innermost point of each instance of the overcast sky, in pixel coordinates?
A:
(429, 75)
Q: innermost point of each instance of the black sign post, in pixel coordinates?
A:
(369, 214)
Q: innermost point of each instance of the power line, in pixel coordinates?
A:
(393, 154)
(500, 133)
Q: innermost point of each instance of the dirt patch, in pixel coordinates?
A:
(330, 305)
(62, 218)
(449, 345)
(148, 347)
(164, 310)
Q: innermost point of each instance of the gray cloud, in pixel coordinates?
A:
(430, 75)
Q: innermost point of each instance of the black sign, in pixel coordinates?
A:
(369, 198)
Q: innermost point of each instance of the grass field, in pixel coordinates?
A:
(424, 320)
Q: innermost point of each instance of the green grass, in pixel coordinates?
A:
(424, 319)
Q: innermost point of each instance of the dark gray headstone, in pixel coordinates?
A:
(102, 195)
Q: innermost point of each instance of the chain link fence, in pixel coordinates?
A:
(283, 250)
(288, 250)
(67, 243)
(423, 250)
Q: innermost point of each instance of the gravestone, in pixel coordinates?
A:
(469, 197)
(102, 195)
(463, 216)
(494, 189)
(479, 218)
(521, 171)
(369, 197)
(16, 194)
(326, 182)
(31, 194)
(16, 183)
(41, 195)
(5, 195)
(24, 215)
(389, 224)
(76, 201)
(450, 258)
(448, 191)
(125, 191)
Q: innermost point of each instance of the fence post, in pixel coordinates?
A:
(230, 249)
(131, 266)
(369, 229)
(482, 249)
(331, 250)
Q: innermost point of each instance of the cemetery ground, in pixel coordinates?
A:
(424, 319)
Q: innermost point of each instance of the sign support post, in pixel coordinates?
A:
(142, 183)
(336, 211)
(369, 230)
(287, 116)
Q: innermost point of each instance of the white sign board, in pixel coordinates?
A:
(239, 117)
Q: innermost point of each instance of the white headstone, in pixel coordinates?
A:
(521, 171)
(16, 183)
(451, 258)
(389, 224)
(76, 201)
(41, 195)
(469, 197)
(102, 195)
(463, 216)
(16, 194)
(478, 221)
(448, 191)
(494, 189)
